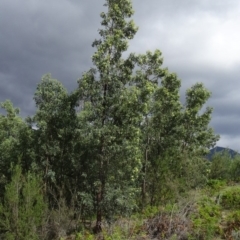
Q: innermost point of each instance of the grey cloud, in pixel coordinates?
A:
(39, 37)
(171, 9)
(226, 125)
(230, 141)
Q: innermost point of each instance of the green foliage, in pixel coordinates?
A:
(122, 140)
(214, 185)
(193, 171)
(116, 233)
(23, 209)
(234, 217)
(224, 167)
(16, 143)
(112, 114)
(233, 225)
(206, 219)
(85, 236)
(150, 211)
(235, 169)
(220, 166)
(162, 185)
(56, 139)
(175, 139)
(230, 199)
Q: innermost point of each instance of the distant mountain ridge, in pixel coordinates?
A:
(222, 150)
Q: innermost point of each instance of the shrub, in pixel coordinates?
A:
(220, 166)
(231, 198)
(232, 226)
(23, 208)
(235, 169)
(85, 236)
(205, 219)
(214, 185)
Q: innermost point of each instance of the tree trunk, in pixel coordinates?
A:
(98, 226)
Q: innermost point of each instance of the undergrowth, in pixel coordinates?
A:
(212, 213)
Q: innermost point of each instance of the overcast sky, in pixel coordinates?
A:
(200, 41)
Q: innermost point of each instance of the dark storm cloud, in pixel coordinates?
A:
(199, 41)
(39, 37)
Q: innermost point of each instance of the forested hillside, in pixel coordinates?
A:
(120, 143)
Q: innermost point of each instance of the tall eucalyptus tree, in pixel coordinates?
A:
(115, 94)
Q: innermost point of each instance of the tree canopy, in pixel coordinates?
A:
(131, 135)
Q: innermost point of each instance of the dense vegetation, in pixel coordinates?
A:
(121, 144)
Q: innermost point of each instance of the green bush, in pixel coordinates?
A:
(117, 234)
(220, 166)
(22, 209)
(205, 220)
(231, 231)
(150, 211)
(231, 198)
(85, 236)
(214, 185)
(235, 169)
